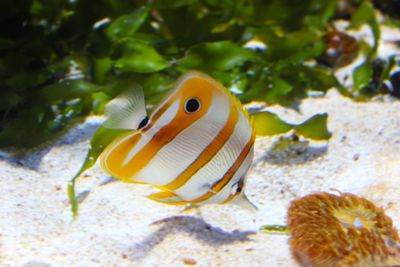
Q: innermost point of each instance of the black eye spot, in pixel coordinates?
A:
(143, 122)
(192, 105)
(239, 189)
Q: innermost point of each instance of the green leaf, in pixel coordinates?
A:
(314, 128)
(223, 55)
(282, 12)
(320, 79)
(101, 138)
(101, 67)
(126, 25)
(27, 129)
(277, 89)
(68, 89)
(294, 46)
(362, 74)
(329, 11)
(365, 14)
(140, 57)
(267, 123)
(275, 229)
(100, 100)
(156, 86)
(172, 3)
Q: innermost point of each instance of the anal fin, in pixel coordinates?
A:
(168, 198)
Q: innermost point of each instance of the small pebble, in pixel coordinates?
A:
(189, 261)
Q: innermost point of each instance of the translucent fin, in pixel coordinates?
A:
(243, 202)
(168, 198)
(127, 111)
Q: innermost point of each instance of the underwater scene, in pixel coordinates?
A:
(200, 133)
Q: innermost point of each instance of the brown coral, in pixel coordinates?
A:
(346, 230)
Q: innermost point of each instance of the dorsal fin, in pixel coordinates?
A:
(127, 111)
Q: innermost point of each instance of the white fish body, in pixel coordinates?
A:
(196, 147)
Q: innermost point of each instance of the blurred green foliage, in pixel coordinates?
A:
(63, 59)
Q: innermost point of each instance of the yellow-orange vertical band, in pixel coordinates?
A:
(158, 113)
(209, 152)
(113, 156)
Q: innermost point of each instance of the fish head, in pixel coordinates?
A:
(194, 95)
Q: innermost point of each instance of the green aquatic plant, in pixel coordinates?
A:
(275, 229)
(62, 60)
(101, 138)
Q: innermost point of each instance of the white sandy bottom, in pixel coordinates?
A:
(117, 226)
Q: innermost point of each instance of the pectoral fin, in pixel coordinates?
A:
(127, 111)
(168, 198)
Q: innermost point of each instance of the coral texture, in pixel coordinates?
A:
(341, 230)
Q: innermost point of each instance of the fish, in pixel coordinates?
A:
(196, 147)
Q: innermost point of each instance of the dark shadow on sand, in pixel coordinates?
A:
(195, 227)
(31, 157)
(293, 157)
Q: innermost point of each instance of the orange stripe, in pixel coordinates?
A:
(208, 153)
(112, 162)
(156, 116)
(230, 198)
(171, 203)
(163, 194)
(217, 187)
(113, 155)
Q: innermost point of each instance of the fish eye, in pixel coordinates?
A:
(192, 105)
(143, 122)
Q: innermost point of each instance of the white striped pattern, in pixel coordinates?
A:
(165, 118)
(226, 191)
(200, 183)
(186, 147)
